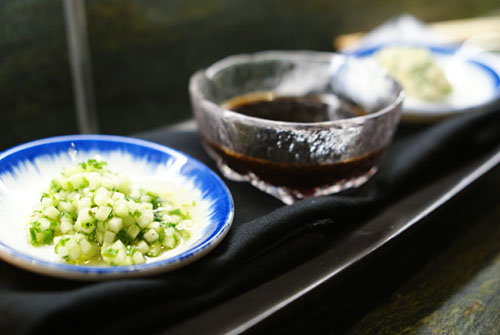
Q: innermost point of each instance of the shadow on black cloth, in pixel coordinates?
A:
(266, 239)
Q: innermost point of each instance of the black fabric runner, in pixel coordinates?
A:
(266, 239)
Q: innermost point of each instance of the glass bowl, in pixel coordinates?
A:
(296, 124)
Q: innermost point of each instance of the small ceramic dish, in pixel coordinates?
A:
(473, 75)
(26, 169)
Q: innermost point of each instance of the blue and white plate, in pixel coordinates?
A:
(474, 76)
(27, 169)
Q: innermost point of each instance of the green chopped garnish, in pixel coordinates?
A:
(158, 217)
(156, 201)
(92, 163)
(124, 237)
(88, 225)
(131, 249)
(85, 182)
(127, 197)
(70, 215)
(63, 241)
(89, 236)
(34, 240)
(54, 186)
(135, 214)
(96, 164)
(48, 236)
(70, 186)
(45, 195)
(110, 252)
(168, 224)
(178, 212)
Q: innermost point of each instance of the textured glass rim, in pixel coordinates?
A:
(263, 55)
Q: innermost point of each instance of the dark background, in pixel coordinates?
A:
(143, 52)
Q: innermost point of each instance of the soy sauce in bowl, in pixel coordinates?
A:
(305, 109)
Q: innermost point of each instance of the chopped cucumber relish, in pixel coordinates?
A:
(93, 215)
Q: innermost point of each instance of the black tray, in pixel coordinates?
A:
(354, 249)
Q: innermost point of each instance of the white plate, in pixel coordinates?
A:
(26, 169)
(475, 78)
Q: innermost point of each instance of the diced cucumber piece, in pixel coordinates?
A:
(102, 197)
(138, 258)
(84, 215)
(120, 208)
(66, 226)
(151, 235)
(117, 196)
(44, 223)
(122, 184)
(47, 201)
(128, 220)
(76, 180)
(65, 206)
(84, 202)
(154, 250)
(142, 246)
(51, 212)
(99, 237)
(94, 179)
(133, 231)
(115, 224)
(102, 213)
(109, 237)
(145, 218)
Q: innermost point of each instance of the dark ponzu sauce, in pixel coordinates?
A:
(310, 108)
(294, 109)
(297, 176)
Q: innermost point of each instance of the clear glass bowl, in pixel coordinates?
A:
(296, 159)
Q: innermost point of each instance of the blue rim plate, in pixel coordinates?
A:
(474, 76)
(31, 163)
